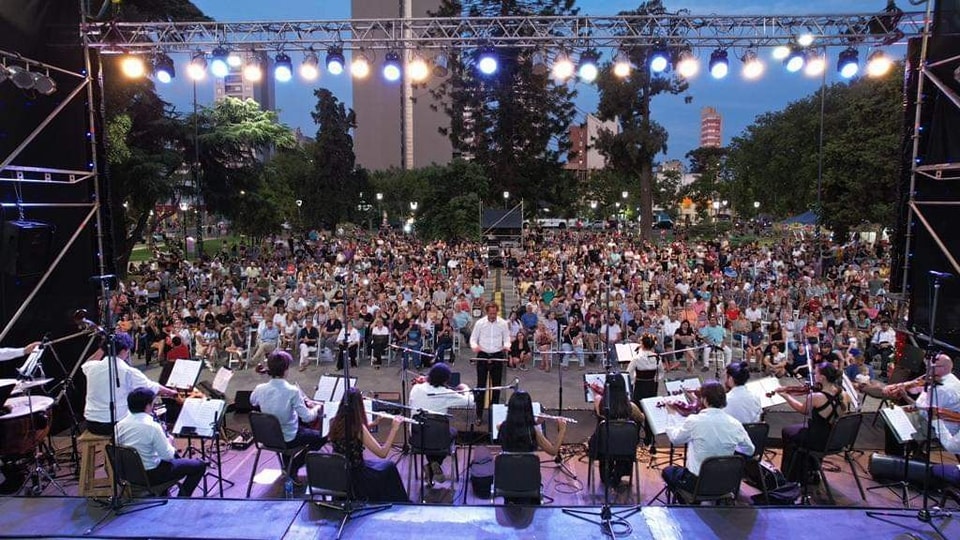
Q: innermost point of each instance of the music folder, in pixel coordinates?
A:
(199, 417)
(498, 413)
(330, 388)
(600, 379)
(900, 422)
(184, 374)
(661, 418)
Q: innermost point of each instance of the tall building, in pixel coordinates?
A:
(377, 139)
(584, 156)
(235, 86)
(711, 128)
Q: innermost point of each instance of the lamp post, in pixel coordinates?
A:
(183, 225)
(619, 219)
(299, 219)
(624, 195)
(716, 216)
(506, 199)
(380, 208)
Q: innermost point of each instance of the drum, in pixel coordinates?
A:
(25, 426)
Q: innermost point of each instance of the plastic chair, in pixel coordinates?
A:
(128, 467)
(839, 443)
(517, 476)
(328, 475)
(622, 445)
(268, 435)
(432, 439)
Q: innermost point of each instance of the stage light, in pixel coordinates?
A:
(163, 68)
(588, 70)
(621, 65)
(391, 67)
(659, 59)
(440, 62)
(21, 78)
(539, 63)
(848, 63)
(417, 69)
(310, 67)
(133, 66)
(253, 70)
(4, 72)
(816, 64)
(43, 84)
(562, 67)
(282, 67)
(805, 40)
(218, 62)
(794, 61)
(719, 64)
(234, 59)
(780, 52)
(878, 64)
(687, 64)
(360, 66)
(197, 68)
(752, 65)
(335, 60)
(487, 62)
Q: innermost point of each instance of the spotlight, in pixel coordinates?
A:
(21, 78)
(878, 64)
(335, 60)
(487, 62)
(816, 64)
(440, 63)
(417, 69)
(253, 70)
(752, 65)
(197, 68)
(282, 67)
(719, 64)
(163, 68)
(539, 63)
(43, 84)
(360, 66)
(391, 67)
(234, 60)
(805, 40)
(794, 61)
(621, 65)
(588, 70)
(659, 59)
(780, 52)
(687, 64)
(309, 68)
(848, 63)
(562, 67)
(218, 62)
(133, 66)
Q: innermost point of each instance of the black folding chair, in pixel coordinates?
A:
(621, 446)
(718, 481)
(328, 475)
(758, 433)
(268, 435)
(517, 476)
(130, 472)
(432, 438)
(840, 442)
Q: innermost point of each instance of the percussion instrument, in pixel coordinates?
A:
(28, 415)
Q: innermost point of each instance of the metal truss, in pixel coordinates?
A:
(871, 29)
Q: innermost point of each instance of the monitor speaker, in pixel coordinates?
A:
(26, 247)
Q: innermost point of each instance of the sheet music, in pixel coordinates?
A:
(199, 417)
(330, 411)
(222, 380)
(852, 392)
(762, 387)
(600, 379)
(498, 413)
(626, 351)
(331, 388)
(677, 387)
(900, 423)
(30, 364)
(184, 374)
(659, 417)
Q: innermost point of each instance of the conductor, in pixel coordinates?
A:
(490, 339)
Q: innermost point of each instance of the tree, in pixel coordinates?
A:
(632, 151)
(775, 160)
(513, 123)
(709, 163)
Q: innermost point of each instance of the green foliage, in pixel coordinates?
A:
(775, 160)
(711, 166)
(514, 124)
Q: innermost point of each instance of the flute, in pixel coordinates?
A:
(392, 416)
(552, 417)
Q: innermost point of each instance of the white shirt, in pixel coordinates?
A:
(881, 336)
(947, 397)
(490, 337)
(442, 398)
(281, 399)
(615, 332)
(141, 432)
(352, 339)
(743, 405)
(709, 433)
(753, 315)
(11, 354)
(97, 408)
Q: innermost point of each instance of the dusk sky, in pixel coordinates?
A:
(738, 100)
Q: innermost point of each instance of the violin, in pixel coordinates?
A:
(947, 414)
(685, 409)
(796, 390)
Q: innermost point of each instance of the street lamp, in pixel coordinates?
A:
(299, 204)
(506, 198)
(183, 224)
(380, 208)
(414, 205)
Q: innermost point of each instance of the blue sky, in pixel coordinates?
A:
(738, 100)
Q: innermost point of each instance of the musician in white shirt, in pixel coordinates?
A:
(140, 431)
(433, 396)
(490, 338)
(742, 404)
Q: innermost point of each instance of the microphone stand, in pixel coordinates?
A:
(404, 384)
(558, 462)
(926, 514)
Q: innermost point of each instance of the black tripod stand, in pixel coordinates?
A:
(926, 514)
(559, 463)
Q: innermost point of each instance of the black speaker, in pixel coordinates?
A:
(891, 468)
(26, 247)
(241, 402)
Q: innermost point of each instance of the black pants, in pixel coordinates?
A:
(351, 351)
(679, 478)
(488, 373)
(191, 470)
(310, 438)
(100, 428)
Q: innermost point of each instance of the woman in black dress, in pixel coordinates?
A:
(375, 480)
(519, 433)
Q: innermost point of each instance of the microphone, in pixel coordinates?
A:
(516, 383)
(941, 275)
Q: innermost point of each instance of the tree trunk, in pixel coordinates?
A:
(646, 200)
(124, 251)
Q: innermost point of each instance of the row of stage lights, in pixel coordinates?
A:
(24, 79)
(795, 57)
